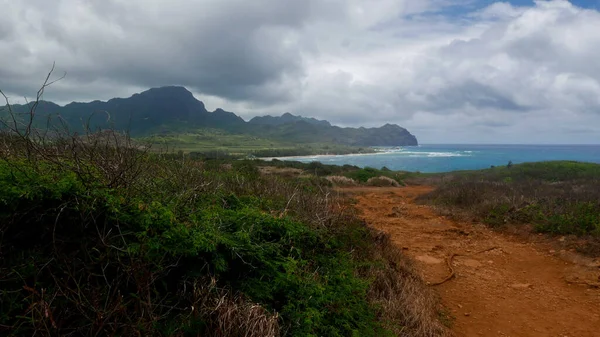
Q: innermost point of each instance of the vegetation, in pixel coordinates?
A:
(190, 128)
(100, 236)
(556, 197)
(205, 139)
(172, 116)
(215, 143)
(341, 181)
(369, 173)
(357, 174)
(286, 118)
(382, 181)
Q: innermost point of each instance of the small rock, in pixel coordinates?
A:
(490, 262)
(460, 306)
(595, 263)
(552, 251)
(521, 286)
(467, 314)
(562, 239)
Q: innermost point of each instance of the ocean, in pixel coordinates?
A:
(444, 158)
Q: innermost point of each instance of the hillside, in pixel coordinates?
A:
(151, 111)
(286, 118)
(168, 109)
(102, 239)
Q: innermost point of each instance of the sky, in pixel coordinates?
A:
(450, 71)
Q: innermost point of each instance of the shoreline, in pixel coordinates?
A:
(321, 156)
(333, 155)
(448, 158)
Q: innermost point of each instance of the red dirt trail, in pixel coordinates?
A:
(502, 285)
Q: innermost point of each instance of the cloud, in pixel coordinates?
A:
(448, 70)
(496, 76)
(224, 48)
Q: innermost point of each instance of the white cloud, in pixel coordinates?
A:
(496, 74)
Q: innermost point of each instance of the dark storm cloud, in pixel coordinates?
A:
(449, 76)
(232, 49)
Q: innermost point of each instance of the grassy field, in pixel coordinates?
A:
(210, 139)
(558, 198)
(214, 141)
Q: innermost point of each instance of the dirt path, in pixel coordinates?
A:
(502, 285)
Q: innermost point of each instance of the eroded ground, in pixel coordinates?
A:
(501, 285)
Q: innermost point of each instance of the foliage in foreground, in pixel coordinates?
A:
(557, 197)
(98, 238)
(77, 255)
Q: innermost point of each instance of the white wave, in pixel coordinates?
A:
(435, 154)
(327, 156)
(379, 152)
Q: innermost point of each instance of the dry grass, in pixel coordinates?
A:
(342, 181)
(281, 171)
(382, 181)
(407, 306)
(558, 198)
(429, 179)
(402, 295)
(230, 314)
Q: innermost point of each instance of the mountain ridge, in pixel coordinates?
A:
(158, 110)
(286, 118)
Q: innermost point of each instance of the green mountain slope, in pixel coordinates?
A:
(175, 109)
(286, 118)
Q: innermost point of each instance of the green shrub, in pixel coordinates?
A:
(579, 218)
(150, 247)
(556, 197)
(363, 174)
(498, 214)
(382, 181)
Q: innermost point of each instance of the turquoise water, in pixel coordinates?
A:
(444, 158)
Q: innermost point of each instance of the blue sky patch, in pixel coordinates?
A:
(471, 6)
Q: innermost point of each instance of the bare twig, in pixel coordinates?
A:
(452, 273)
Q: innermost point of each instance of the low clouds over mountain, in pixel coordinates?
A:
(448, 70)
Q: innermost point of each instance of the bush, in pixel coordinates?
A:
(165, 244)
(556, 197)
(364, 174)
(203, 238)
(341, 181)
(382, 181)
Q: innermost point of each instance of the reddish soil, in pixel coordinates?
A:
(502, 285)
